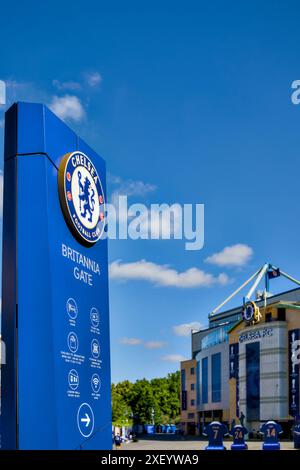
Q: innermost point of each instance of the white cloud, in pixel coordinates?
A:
(93, 79)
(154, 344)
(113, 179)
(67, 107)
(2, 93)
(146, 344)
(69, 85)
(136, 188)
(185, 328)
(128, 188)
(173, 358)
(165, 220)
(22, 91)
(235, 255)
(15, 85)
(131, 341)
(1, 123)
(162, 275)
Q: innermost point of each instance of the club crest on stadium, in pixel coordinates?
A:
(81, 197)
(251, 313)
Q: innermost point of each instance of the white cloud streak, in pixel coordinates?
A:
(67, 107)
(131, 341)
(146, 344)
(235, 255)
(162, 275)
(128, 188)
(93, 79)
(173, 358)
(154, 344)
(185, 328)
(69, 85)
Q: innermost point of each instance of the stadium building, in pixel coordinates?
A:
(246, 363)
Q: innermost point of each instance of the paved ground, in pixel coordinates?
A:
(172, 443)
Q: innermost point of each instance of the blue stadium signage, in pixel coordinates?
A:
(56, 387)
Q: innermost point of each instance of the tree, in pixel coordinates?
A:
(143, 402)
(121, 412)
(156, 400)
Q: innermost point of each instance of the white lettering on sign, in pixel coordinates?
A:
(85, 264)
(256, 334)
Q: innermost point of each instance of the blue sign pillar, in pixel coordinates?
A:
(55, 319)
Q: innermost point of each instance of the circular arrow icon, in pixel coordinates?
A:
(85, 420)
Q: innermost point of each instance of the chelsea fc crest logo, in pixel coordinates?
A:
(81, 197)
(251, 313)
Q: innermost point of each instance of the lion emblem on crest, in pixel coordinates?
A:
(86, 197)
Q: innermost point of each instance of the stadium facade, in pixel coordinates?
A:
(239, 368)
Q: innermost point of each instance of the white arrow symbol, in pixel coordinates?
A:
(86, 420)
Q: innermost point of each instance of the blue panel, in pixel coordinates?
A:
(30, 128)
(10, 143)
(184, 400)
(204, 380)
(59, 138)
(37, 399)
(252, 381)
(9, 312)
(61, 402)
(216, 377)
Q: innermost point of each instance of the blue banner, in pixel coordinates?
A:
(294, 361)
(237, 397)
(234, 371)
(234, 360)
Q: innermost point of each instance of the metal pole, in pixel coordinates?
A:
(235, 292)
(267, 281)
(257, 281)
(290, 278)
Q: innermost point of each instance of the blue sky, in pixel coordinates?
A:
(188, 102)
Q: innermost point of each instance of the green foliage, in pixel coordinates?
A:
(144, 401)
(121, 412)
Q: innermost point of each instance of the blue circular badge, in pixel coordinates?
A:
(81, 197)
(248, 312)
